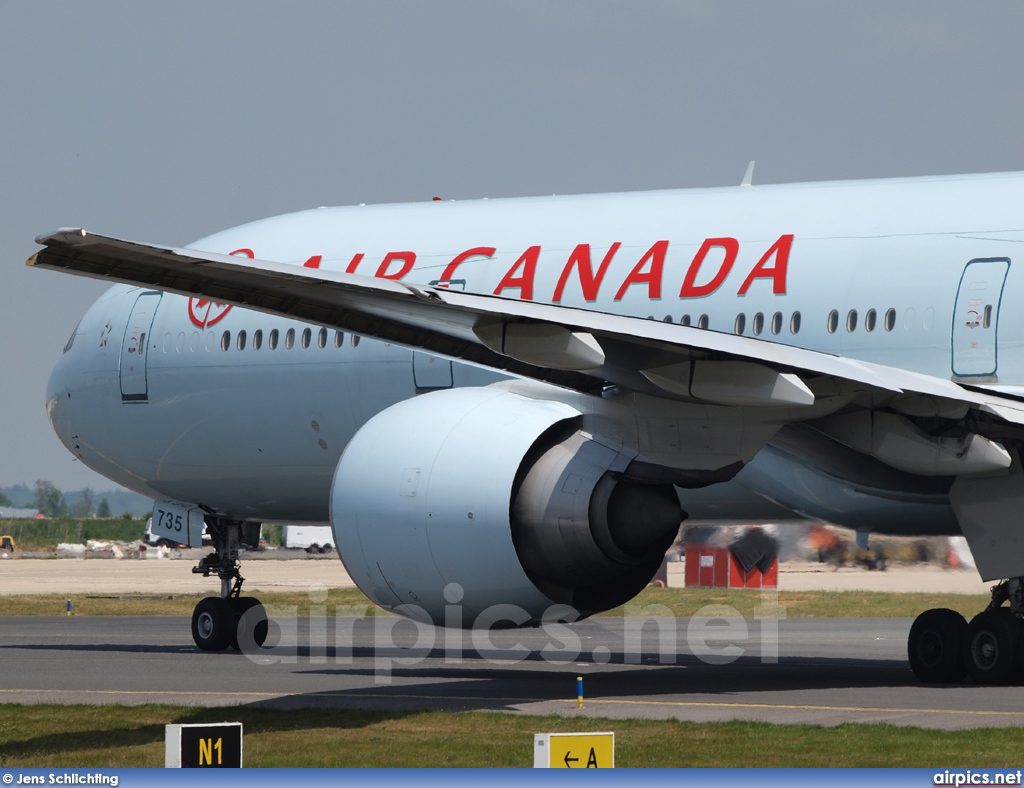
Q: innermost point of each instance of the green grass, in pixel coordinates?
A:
(47, 534)
(686, 602)
(344, 601)
(680, 602)
(126, 736)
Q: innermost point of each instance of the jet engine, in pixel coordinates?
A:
(479, 506)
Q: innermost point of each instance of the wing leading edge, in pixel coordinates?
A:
(579, 349)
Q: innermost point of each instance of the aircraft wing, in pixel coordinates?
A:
(579, 349)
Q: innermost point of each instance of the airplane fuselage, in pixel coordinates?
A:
(248, 413)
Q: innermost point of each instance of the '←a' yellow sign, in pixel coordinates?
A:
(574, 751)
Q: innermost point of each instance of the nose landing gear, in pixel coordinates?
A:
(230, 620)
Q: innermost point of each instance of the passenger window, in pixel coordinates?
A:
(289, 339)
(684, 320)
(741, 323)
(272, 339)
(703, 321)
(339, 338)
(757, 326)
(870, 318)
(321, 339)
(833, 321)
(355, 340)
(890, 319)
(225, 341)
(986, 320)
(257, 339)
(794, 323)
(211, 339)
(777, 323)
(168, 341)
(851, 320)
(306, 334)
(241, 340)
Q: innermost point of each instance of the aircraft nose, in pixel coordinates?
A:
(59, 394)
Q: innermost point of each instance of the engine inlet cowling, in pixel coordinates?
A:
(586, 535)
(481, 504)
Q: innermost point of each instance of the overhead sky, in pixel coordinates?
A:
(164, 122)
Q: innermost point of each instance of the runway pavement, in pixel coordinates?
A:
(820, 671)
(826, 672)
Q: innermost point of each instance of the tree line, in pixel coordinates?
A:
(49, 500)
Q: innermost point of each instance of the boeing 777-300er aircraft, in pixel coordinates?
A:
(831, 350)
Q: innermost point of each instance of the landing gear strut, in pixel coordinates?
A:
(943, 647)
(230, 620)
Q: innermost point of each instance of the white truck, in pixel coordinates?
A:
(311, 538)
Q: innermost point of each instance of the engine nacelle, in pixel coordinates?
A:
(481, 507)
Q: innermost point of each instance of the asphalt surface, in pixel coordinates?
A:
(820, 671)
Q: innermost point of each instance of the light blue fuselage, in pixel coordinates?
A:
(203, 415)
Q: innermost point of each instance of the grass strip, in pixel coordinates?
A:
(799, 604)
(47, 736)
(679, 602)
(340, 601)
(46, 534)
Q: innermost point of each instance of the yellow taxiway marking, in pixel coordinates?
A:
(590, 701)
(794, 707)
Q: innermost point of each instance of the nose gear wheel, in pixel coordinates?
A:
(230, 620)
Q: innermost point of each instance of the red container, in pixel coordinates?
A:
(716, 567)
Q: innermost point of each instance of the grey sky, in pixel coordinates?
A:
(166, 122)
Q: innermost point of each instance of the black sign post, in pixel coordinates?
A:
(215, 745)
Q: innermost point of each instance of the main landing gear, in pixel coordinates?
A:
(943, 648)
(230, 620)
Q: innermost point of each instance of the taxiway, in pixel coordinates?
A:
(819, 671)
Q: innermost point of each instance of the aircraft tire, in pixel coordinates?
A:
(935, 646)
(251, 626)
(990, 647)
(212, 624)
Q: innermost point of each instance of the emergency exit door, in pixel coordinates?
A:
(976, 318)
(134, 386)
